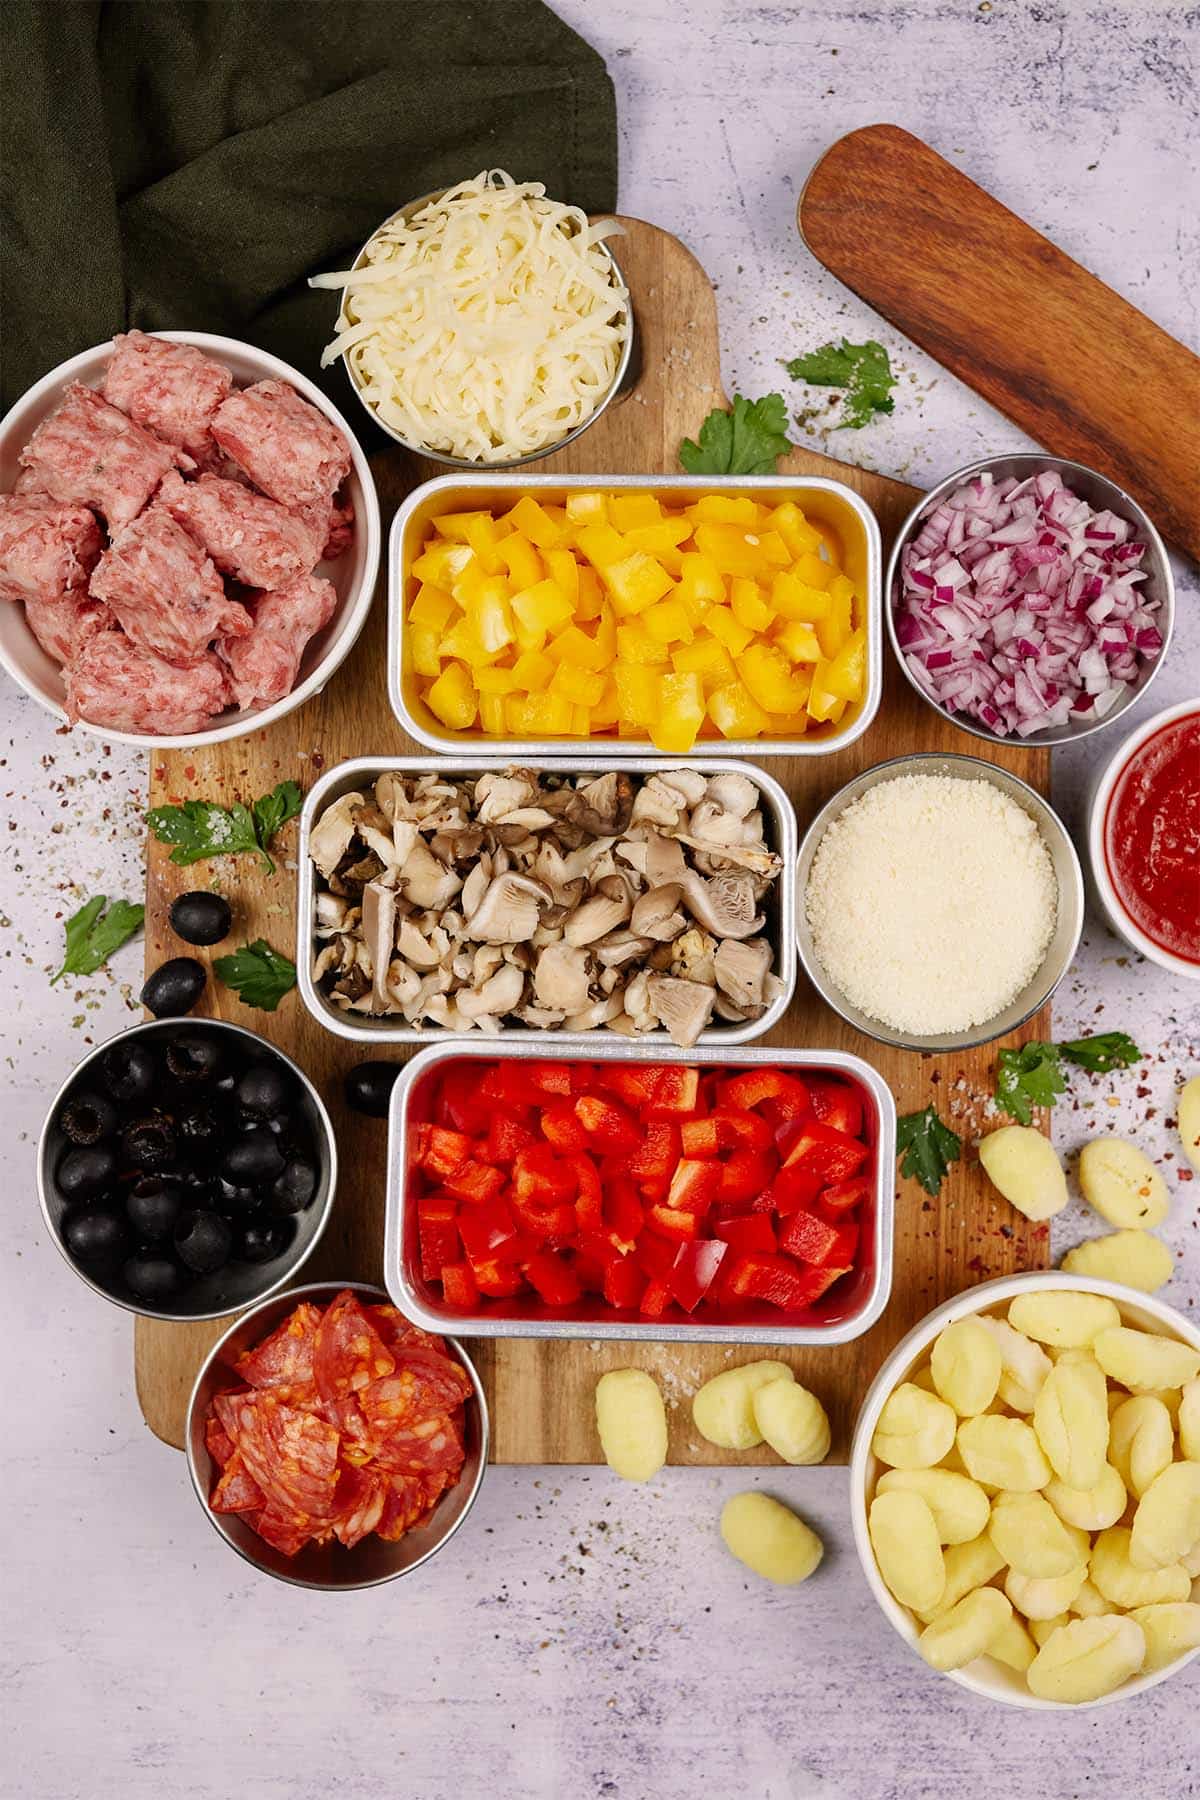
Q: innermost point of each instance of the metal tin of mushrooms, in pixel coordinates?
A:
(837, 509)
(847, 1319)
(779, 904)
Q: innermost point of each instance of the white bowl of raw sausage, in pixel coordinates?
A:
(352, 573)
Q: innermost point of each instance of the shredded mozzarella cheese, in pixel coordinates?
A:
(487, 326)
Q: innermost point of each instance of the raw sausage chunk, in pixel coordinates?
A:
(171, 389)
(254, 539)
(287, 448)
(91, 454)
(264, 665)
(114, 682)
(46, 547)
(63, 625)
(164, 591)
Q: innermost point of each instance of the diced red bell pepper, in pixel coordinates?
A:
(695, 1185)
(542, 1176)
(776, 1279)
(488, 1231)
(624, 1217)
(844, 1196)
(475, 1182)
(703, 1137)
(561, 1128)
(829, 1154)
(675, 1092)
(744, 1175)
(836, 1103)
(459, 1287)
(655, 1254)
(847, 1245)
(812, 1239)
(658, 1152)
(506, 1138)
(623, 1282)
(441, 1151)
(815, 1282)
(590, 1262)
(793, 1187)
(695, 1269)
(743, 1130)
(551, 1221)
(747, 1231)
(656, 1297)
(608, 1126)
(498, 1280)
(508, 1083)
(672, 1222)
(548, 1077)
(460, 1103)
(787, 1097)
(589, 1196)
(553, 1278)
(437, 1233)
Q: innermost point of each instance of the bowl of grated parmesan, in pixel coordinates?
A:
(484, 326)
(940, 902)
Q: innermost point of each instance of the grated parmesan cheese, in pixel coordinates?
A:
(931, 902)
(488, 325)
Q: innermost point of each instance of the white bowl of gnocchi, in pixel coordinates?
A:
(1025, 1489)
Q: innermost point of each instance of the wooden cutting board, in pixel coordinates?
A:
(541, 1392)
(1082, 371)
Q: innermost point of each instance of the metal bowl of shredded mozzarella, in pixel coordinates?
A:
(484, 326)
(1029, 598)
(941, 902)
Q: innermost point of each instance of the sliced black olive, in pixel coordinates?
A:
(149, 1143)
(263, 1240)
(254, 1160)
(264, 1089)
(174, 987)
(82, 1174)
(153, 1207)
(194, 1057)
(368, 1087)
(88, 1118)
(95, 1235)
(295, 1187)
(203, 1241)
(201, 918)
(150, 1275)
(128, 1071)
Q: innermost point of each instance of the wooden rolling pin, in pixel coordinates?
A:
(1077, 367)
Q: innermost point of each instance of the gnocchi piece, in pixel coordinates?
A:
(1140, 1441)
(1024, 1365)
(723, 1409)
(1167, 1522)
(1087, 1658)
(1123, 1185)
(966, 1631)
(1012, 1644)
(792, 1421)
(632, 1422)
(1189, 1421)
(1070, 1417)
(1032, 1539)
(1042, 1629)
(1091, 1509)
(1064, 1317)
(770, 1538)
(1023, 1164)
(966, 1366)
(1188, 1114)
(1191, 1561)
(967, 1566)
(1137, 1258)
(905, 1541)
(959, 1505)
(1089, 1602)
(1122, 1584)
(1171, 1631)
(915, 1429)
(1044, 1599)
(1003, 1453)
(1142, 1361)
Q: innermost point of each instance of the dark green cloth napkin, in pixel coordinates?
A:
(188, 165)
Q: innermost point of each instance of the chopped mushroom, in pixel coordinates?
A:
(508, 911)
(742, 969)
(685, 1007)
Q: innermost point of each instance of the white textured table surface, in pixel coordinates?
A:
(585, 1638)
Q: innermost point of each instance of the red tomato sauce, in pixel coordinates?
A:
(1152, 838)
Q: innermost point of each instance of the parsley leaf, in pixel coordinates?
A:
(747, 441)
(258, 974)
(928, 1148)
(93, 934)
(1027, 1077)
(273, 811)
(200, 828)
(862, 369)
(1111, 1050)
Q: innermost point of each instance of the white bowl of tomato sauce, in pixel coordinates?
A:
(1144, 839)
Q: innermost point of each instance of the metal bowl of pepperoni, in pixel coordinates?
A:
(331, 1443)
(190, 537)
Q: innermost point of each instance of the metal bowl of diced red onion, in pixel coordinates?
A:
(1029, 599)
(189, 539)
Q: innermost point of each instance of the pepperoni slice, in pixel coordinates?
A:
(217, 1440)
(396, 1331)
(348, 1352)
(292, 1455)
(404, 1504)
(434, 1446)
(360, 1501)
(236, 1491)
(281, 1532)
(423, 1387)
(285, 1359)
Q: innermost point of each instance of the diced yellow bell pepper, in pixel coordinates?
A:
(492, 716)
(452, 697)
(488, 611)
(735, 713)
(456, 525)
(798, 641)
(590, 508)
(792, 599)
(431, 606)
(681, 714)
(539, 610)
(822, 700)
(773, 550)
(771, 679)
(629, 510)
(707, 657)
(442, 562)
(463, 640)
(582, 687)
(563, 569)
(606, 713)
(601, 545)
(590, 597)
(581, 721)
(700, 579)
(635, 645)
(813, 570)
(524, 565)
(606, 630)
(495, 680)
(538, 525)
(423, 641)
(660, 539)
(532, 671)
(539, 715)
(848, 670)
(721, 623)
(724, 509)
(750, 606)
(834, 628)
(793, 528)
(791, 725)
(668, 622)
(635, 582)
(733, 550)
(577, 648)
(638, 693)
(484, 535)
(842, 588)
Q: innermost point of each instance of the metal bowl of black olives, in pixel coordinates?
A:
(186, 1169)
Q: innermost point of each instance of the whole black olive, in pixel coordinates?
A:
(295, 1187)
(203, 1241)
(253, 1160)
(153, 1207)
(199, 1131)
(194, 1057)
(368, 1087)
(233, 1200)
(128, 1071)
(262, 1241)
(88, 1118)
(82, 1174)
(95, 1235)
(149, 1143)
(174, 987)
(263, 1089)
(200, 918)
(150, 1275)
